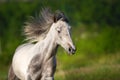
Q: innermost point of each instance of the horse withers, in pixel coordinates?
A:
(36, 60)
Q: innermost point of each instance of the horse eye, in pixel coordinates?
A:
(58, 31)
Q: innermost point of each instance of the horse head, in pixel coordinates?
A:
(62, 32)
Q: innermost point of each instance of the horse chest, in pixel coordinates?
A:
(38, 68)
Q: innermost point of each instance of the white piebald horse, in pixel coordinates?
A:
(36, 60)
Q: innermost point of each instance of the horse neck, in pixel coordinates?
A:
(49, 47)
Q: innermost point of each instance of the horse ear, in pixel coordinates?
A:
(58, 15)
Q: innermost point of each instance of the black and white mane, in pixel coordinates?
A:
(36, 28)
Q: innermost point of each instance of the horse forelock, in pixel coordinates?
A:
(36, 28)
(60, 16)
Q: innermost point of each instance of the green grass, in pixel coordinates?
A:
(95, 73)
(3, 72)
(104, 67)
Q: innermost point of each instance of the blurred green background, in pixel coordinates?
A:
(95, 32)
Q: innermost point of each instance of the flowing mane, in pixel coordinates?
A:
(36, 28)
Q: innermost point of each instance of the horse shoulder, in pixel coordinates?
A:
(24, 45)
(19, 59)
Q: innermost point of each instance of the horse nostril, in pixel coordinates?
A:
(72, 50)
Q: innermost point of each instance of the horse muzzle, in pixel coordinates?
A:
(71, 50)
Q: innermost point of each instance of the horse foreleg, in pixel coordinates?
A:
(11, 74)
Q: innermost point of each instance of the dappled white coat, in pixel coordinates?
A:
(46, 48)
